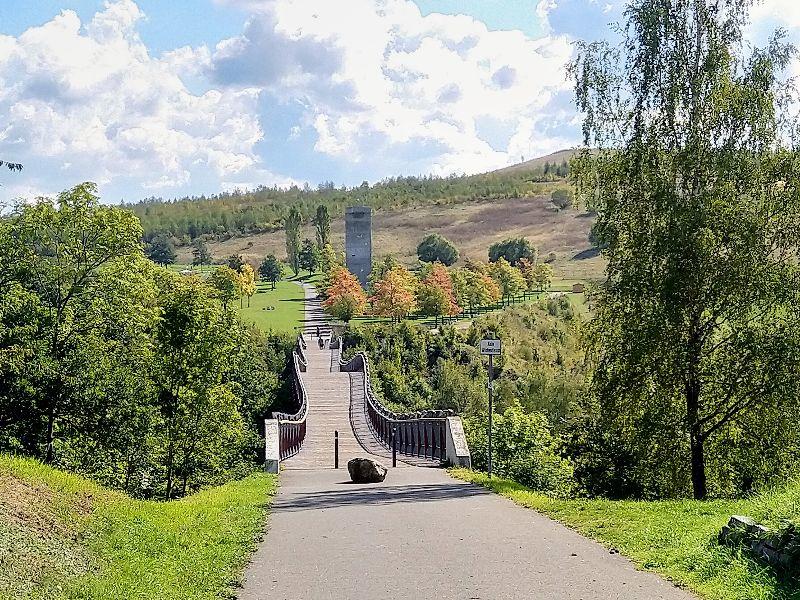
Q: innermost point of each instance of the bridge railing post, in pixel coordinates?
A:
(336, 449)
(394, 446)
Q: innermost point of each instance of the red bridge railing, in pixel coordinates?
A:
(422, 434)
(292, 427)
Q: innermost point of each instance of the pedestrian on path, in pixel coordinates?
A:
(317, 330)
(321, 343)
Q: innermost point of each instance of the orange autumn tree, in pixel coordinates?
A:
(346, 299)
(435, 297)
(394, 294)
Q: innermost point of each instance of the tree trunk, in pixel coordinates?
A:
(51, 419)
(698, 466)
(170, 461)
(696, 437)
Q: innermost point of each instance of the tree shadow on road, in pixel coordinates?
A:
(352, 495)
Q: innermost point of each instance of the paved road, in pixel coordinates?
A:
(422, 534)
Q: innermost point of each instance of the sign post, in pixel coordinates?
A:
(490, 348)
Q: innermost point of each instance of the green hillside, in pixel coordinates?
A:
(262, 210)
(62, 536)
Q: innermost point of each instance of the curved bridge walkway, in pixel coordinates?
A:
(420, 534)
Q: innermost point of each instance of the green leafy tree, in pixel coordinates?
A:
(562, 198)
(309, 257)
(247, 282)
(235, 262)
(695, 186)
(542, 276)
(436, 248)
(292, 225)
(162, 251)
(194, 339)
(322, 226)
(60, 250)
(508, 278)
(200, 253)
(226, 283)
(513, 250)
(270, 270)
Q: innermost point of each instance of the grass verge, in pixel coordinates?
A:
(676, 539)
(62, 536)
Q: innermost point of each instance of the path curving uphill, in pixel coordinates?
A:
(420, 534)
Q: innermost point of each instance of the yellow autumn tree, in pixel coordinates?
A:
(247, 281)
(393, 294)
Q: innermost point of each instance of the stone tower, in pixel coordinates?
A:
(358, 241)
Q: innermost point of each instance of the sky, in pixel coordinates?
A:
(188, 97)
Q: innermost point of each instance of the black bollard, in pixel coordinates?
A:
(394, 446)
(336, 450)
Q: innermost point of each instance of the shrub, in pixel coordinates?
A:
(524, 449)
(435, 248)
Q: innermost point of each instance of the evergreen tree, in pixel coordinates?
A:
(292, 225)
(322, 225)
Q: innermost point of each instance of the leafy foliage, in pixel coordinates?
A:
(113, 367)
(322, 225)
(697, 330)
(512, 250)
(435, 297)
(292, 226)
(270, 270)
(161, 251)
(436, 248)
(265, 209)
(346, 299)
(394, 294)
(309, 257)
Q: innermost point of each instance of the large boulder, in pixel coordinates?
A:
(365, 470)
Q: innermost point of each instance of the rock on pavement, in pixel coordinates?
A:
(365, 470)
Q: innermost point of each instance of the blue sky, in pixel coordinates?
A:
(187, 97)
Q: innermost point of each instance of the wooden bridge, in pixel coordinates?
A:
(337, 408)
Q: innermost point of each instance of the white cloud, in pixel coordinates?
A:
(90, 102)
(379, 76)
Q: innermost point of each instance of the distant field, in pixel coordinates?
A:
(280, 309)
(472, 226)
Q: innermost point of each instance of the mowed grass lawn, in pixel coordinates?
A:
(677, 539)
(280, 309)
(62, 536)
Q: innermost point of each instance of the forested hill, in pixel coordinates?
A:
(263, 209)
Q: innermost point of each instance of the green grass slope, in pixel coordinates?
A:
(62, 536)
(674, 538)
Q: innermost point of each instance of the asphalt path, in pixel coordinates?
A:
(422, 534)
